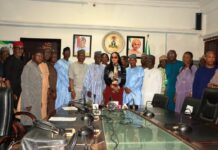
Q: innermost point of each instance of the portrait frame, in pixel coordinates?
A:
(113, 42)
(31, 44)
(130, 40)
(82, 42)
(8, 44)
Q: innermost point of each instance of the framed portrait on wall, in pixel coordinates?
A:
(8, 44)
(135, 45)
(82, 42)
(113, 42)
(31, 44)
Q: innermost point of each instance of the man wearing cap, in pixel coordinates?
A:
(152, 80)
(13, 68)
(161, 67)
(94, 80)
(31, 83)
(133, 86)
(143, 60)
(62, 87)
(77, 73)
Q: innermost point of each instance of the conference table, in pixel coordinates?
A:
(128, 130)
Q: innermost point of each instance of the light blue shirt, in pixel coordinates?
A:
(134, 81)
(63, 94)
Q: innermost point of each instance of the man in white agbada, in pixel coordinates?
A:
(77, 73)
(94, 80)
(152, 80)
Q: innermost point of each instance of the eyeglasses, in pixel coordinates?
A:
(114, 57)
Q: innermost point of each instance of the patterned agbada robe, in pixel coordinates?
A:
(63, 94)
(31, 95)
(94, 82)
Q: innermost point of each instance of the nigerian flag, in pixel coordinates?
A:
(147, 50)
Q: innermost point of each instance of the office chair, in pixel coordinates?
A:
(160, 100)
(208, 110)
(195, 103)
(6, 111)
(10, 128)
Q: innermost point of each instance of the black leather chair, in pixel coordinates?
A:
(6, 111)
(195, 103)
(160, 100)
(208, 110)
(10, 128)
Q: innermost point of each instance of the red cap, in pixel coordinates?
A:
(18, 43)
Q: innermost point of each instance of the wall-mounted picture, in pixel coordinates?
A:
(135, 45)
(113, 42)
(31, 44)
(8, 44)
(82, 42)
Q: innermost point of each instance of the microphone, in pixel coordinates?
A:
(84, 98)
(84, 108)
(87, 114)
(85, 132)
(148, 113)
(94, 96)
(181, 126)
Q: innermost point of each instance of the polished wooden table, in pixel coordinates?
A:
(127, 130)
(203, 135)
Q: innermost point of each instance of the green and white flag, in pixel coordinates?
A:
(147, 49)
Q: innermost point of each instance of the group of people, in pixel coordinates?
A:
(44, 83)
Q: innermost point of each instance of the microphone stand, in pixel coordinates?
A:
(84, 98)
(148, 113)
(84, 108)
(181, 126)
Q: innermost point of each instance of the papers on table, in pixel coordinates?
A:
(62, 119)
(69, 108)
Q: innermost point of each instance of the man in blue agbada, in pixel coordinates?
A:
(172, 70)
(134, 80)
(204, 74)
(62, 67)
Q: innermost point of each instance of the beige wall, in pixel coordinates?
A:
(170, 26)
(210, 9)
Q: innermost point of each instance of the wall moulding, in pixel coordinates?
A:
(95, 27)
(153, 3)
